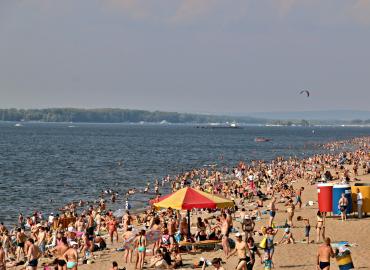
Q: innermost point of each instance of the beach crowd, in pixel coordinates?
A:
(158, 238)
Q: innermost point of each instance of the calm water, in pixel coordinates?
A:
(40, 162)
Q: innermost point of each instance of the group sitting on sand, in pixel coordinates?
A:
(154, 239)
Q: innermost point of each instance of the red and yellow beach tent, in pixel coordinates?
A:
(190, 198)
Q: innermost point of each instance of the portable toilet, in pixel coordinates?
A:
(325, 197)
(337, 193)
(365, 191)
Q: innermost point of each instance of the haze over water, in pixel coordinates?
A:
(40, 162)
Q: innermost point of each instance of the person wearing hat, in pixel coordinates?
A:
(287, 237)
(244, 254)
(248, 226)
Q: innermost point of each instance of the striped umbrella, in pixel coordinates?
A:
(190, 198)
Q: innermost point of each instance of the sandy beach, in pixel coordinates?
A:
(291, 256)
(299, 255)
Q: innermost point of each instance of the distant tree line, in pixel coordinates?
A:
(113, 116)
(302, 122)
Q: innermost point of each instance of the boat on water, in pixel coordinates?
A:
(262, 139)
(18, 125)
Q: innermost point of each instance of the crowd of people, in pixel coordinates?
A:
(73, 236)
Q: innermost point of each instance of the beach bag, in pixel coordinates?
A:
(263, 243)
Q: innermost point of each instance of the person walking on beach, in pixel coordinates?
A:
(244, 254)
(343, 203)
(324, 253)
(299, 197)
(269, 248)
(20, 240)
(2, 257)
(359, 203)
(272, 211)
(253, 251)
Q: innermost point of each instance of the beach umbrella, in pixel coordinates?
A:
(190, 198)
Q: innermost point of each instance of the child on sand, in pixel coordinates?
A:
(267, 263)
(287, 237)
(307, 228)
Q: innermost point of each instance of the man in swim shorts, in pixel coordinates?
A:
(33, 255)
(272, 210)
(299, 197)
(244, 254)
(323, 255)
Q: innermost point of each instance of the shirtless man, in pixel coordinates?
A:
(241, 248)
(59, 253)
(2, 257)
(272, 209)
(323, 255)
(20, 240)
(33, 254)
(172, 226)
(71, 256)
(343, 204)
(225, 235)
(299, 197)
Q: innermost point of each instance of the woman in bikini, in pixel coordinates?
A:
(290, 210)
(141, 249)
(320, 226)
(71, 256)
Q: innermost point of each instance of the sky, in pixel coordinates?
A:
(206, 56)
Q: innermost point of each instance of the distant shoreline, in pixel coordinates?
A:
(191, 124)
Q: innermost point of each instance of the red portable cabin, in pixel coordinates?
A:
(325, 197)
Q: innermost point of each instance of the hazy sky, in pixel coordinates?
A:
(185, 55)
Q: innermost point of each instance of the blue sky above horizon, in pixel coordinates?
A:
(185, 55)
